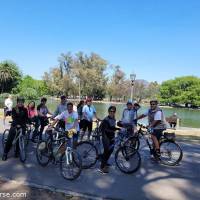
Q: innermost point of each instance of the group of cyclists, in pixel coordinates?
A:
(81, 120)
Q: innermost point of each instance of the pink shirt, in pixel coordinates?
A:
(32, 113)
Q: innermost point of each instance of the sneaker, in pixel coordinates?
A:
(4, 157)
(104, 170)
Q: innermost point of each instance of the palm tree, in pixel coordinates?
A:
(9, 76)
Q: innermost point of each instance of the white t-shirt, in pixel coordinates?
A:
(70, 119)
(157, 116)
(89, 112)
(9, 103)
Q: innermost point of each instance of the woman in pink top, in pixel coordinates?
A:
(33, 117)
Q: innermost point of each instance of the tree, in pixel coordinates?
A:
(181, 90)
(10, 76)
(31, 88)
(89, 71)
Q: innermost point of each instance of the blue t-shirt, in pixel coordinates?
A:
(88, 112)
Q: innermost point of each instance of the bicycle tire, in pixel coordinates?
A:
(167, 156)
(27, 137)
(75, 163)
(4, 138)
(22, 148)
(42, 153)
(88, 153)
(127, 163)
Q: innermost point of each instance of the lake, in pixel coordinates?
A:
(189, 118)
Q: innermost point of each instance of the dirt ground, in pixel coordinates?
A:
(20, 192)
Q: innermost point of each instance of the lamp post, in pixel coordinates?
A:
(79, 89)
(132, 78)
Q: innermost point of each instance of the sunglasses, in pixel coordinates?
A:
(152, 104)
(112, 111)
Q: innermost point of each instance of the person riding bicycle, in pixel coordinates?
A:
(61, 108)
(128, 117)
(20, 119)
(89, 112)
(42, 114)
(70, 117)
(156, 124)
(33, 117)
(108, 128)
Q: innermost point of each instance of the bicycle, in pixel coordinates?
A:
(57, 150)
(22, 141)
(91, 151)
(170, 152)
(94, 131)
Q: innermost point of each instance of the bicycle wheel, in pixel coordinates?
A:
(43, 153)
(133, 142)
(88, 153)
(127, 163)
(22, 148)
(70, 165)
(4, 138)
(171, 153)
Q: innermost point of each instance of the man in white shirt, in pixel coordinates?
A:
(156, 123)
(8, 107)
(89, 112)
(70, 117)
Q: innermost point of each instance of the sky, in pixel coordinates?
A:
(156, 39)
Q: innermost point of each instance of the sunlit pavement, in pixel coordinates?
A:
(152, 181)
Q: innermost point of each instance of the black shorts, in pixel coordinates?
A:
(157, 133)
(7, 112)
(86, 125)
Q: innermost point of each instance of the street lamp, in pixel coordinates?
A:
(132, 77)
(79, 89)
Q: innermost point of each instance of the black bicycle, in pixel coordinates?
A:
(91, 151)
(170, 152)
(19, 136)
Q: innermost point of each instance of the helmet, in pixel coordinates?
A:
(62, 97)
(20, 99)
(135, 103)
(129, 102)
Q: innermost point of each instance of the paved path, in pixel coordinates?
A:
(152, 181)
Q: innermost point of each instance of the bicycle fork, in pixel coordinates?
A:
(68, 154)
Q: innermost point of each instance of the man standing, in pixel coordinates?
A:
(61, 108)
(8, 107)
(89, 112)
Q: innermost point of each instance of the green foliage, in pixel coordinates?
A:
(79, 70)
(182, 90)
(31, 88)
(10, 76)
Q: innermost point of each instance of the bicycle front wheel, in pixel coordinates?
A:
(171, 153)
(70, 165)
(4, 138)
(88, 153)
(127, 159)
(43, 153)
(22, 148)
